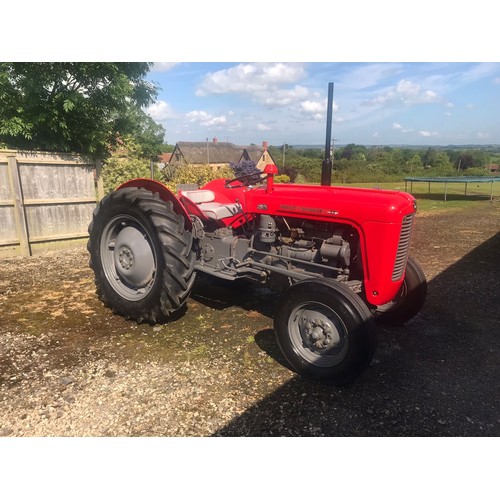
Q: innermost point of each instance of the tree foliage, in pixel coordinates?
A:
(127, 162)
(77, 107)
(356, 163)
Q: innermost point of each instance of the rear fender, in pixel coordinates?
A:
(164, 193)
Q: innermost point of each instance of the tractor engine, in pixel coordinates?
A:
(278, 251)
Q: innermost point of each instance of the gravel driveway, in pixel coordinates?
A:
(69, 367)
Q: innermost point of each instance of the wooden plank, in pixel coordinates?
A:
(51, 220)
(8, 243)
(19, 213)
(100, 182)
(55, 163)
(58, 201)
(47, 181)
(59, 237)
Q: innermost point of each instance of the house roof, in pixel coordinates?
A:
(212, 152)
(165, 157)
(254, 152)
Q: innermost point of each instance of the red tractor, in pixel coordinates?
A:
(338, 255)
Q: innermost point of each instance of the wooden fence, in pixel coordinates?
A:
(46, 201)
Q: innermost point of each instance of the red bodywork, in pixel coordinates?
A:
(375, 214)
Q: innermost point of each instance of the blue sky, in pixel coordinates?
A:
(401, 101)
(374, 103)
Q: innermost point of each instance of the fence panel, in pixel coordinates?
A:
(46, 201)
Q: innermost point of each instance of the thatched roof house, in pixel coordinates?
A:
(217, 153)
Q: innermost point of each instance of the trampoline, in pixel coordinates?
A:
(451, 180)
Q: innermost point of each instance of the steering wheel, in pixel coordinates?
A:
(246, 180)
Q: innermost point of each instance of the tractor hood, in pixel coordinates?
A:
(327, 202)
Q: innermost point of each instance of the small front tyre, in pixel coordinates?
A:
(325, 331)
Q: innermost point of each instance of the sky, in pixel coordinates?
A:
(375, 103)
(429, 75)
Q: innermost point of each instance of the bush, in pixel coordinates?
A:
(282, 179)
(299, 179)
(126, 163)
(196, 174)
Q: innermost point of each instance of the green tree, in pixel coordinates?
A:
(472, 158)
(78, 107)
(127, 162)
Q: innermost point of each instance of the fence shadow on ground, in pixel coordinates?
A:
(436, 376)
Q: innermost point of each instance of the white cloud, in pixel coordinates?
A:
(160, 111)
(163, 66)
(369, 75)
(398, 126)
(426, 133)
(497, 81)
(406, 92)
(263, 127)
(255, 79)
(205, 119)
(283, 97)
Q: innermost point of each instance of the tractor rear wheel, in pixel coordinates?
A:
(141, 255)
(410, 299)
(325, 331)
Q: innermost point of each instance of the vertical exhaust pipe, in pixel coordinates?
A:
(326, 169)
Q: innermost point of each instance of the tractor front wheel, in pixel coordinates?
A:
(410, 299)
(325, 331)
(141, 255)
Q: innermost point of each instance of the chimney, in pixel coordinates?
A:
(214, 140)
(264, 145)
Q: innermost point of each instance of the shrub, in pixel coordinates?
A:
(126, 163)
(196, 174)
(282, 179)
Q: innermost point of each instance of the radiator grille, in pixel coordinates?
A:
(403, 247)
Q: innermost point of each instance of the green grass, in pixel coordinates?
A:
(455, 197)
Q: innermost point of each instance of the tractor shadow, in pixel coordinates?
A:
(436, 376)
(220, 295)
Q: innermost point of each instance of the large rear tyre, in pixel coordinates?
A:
(410, 299)
(141, 255)
(325, 331)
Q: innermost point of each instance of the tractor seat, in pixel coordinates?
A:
(204, 199)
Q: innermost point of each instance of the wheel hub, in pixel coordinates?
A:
(126, 258)
(317, 330)
(133, 256)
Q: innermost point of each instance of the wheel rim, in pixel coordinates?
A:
(128, 257)
(318, 334)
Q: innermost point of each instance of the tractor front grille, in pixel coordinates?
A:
(403, 247)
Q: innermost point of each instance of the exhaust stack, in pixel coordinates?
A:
(326, 170)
